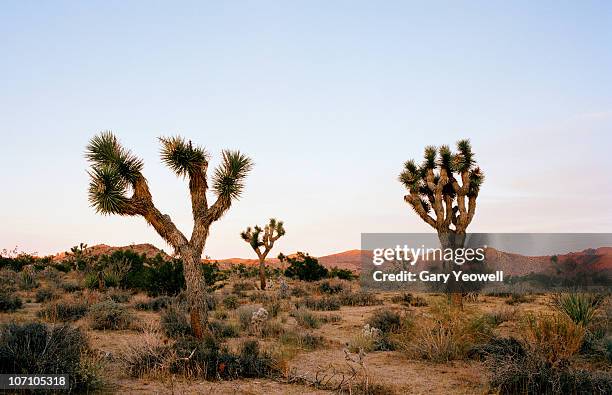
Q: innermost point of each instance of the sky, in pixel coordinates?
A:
(329, 98)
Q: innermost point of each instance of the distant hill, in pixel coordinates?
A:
(599, 259)
(102, 249)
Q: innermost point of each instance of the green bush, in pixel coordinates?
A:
(35, 348)
(9, 302)
(110, 315)
(579, 307)
(342, 274)
(304, 267)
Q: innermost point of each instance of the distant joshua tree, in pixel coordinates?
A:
(117, 186)
(262, 241)
(440, 186)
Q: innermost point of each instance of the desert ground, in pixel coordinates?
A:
(313, 337)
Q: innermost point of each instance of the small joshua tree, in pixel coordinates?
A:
(117, 186)
(262, 241)
(439, 187)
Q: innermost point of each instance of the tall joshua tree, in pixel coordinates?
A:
(117, 186)
(443, 190)
(441, 185)
(262, 241)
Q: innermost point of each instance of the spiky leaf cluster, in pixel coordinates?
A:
(436, 160)
(114, 170)
(182, 157)
(228, 178)
(252, 236)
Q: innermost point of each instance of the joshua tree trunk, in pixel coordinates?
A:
(262, 273)
(452, 240)
(196, 293)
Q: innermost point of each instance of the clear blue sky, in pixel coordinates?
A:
(328, 97)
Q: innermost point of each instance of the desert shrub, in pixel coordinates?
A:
(110, 315)
(272, 328)
(119, 295)
(518, 298)
(306, 318)
(329, 303)
(581, 308)
(555, 337)
(212, 273)
(253, 362)
(91, 281)
(155, 304)
(211, 360)
(147, 355)
(348, 298)
(174, 322)
(242, 286)
(342, 274)
(298, 291)
(45, 294)
(327, 318)
(273, 307)
(304, 340)
(513, 368)
(27, 280)
(223, 329)
(231, 302)
(64, 310)
(9, 280)
(35, 348)
(71, 286)
(245, 315)
(385, 320)
(448, 336)
(9, 302)
(409, 299)
(331, 288)
(220, 314)
(502, 315)
(368, 340)
(211, 301)
(304, 267)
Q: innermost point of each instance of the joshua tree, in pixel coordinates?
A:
(262, 241)
(117, 186)
(440, 186)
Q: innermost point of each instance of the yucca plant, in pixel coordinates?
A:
(117, 186)
(579, 307)
(443, 191)
(262, 241)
